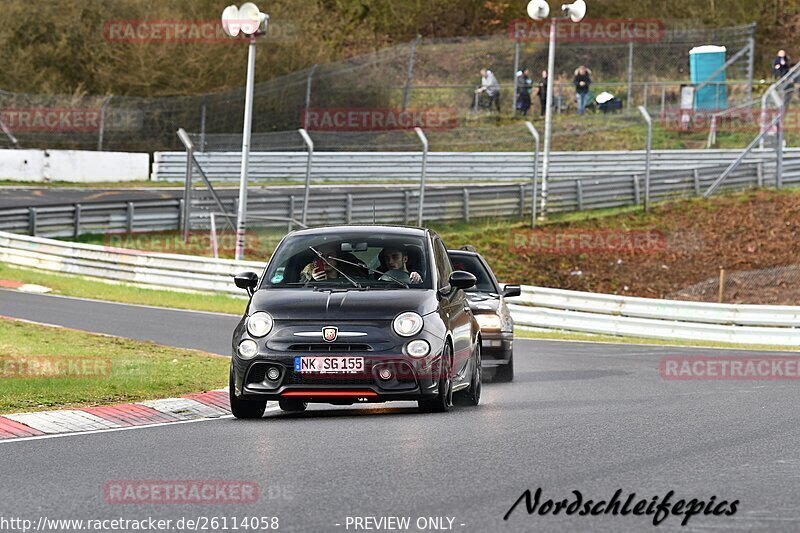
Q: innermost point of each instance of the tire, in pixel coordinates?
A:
(444, 399)
(505, 373)
(472, 396)
(292, 406)
(245, 409)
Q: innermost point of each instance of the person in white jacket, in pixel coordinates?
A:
(491, 87)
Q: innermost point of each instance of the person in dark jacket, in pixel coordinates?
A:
(582, 83)
(780, 67)
(524, 85)
(542, 93)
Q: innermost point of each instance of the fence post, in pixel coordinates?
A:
(32, 221)
(291, 211)
(424, 140)
(637, 190)
(407, 195)
(308, 95)
(521, 200)
(535, 180)
(663, 98)
(779, 149)
(630, 76)
(751, 43)
(516, 80)
(310, 145)
(579, 190)
(760, 173)
(348, 210)
(410, 71)
(696, 182)
(646, 88)
(649, 121)
(103, 122)
(129, 218)
(466, 204)
(77, 222)
(203, 124)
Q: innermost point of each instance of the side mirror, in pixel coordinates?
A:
(246, 281)
(509, 291)
(462, 280)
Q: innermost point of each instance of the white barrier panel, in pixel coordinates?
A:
(73, 166)
(537, 307)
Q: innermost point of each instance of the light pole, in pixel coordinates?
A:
(251, 22)
(539, 10)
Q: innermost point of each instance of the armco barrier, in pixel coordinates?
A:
(537, 307)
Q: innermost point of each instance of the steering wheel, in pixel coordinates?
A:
(399, 275)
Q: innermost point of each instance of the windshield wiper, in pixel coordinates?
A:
(372, 271)
(351, 280)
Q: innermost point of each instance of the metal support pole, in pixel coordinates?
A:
(630, 76)
(637, 191)
(308, 95)
(348, 211)
(548, 116)
(310, 145)
(214, 244)
(579, 192)
(751, 55)
(187, 184)
(410, 71)
(779, 151)
(646, 90)
(535, 179)
(516, 80)
(663, 98)
(203, 124)
(129, 213)
(465, 194)
(103, 122)
(424, 140)
(649, 121)
(407, 203)
(241, 216)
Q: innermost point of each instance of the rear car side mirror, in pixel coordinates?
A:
(509, 291)
(461, 279)
(246, 281)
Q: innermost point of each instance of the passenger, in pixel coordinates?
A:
(319, 270)
(396, 258)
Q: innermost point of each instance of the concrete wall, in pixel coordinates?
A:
(73, 166)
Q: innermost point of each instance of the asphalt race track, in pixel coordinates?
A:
(587, 417)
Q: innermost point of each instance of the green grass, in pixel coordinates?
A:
(69, 285)
(105, 370)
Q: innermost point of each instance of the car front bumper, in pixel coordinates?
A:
(496, 348)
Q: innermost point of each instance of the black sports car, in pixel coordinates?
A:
(356, 314)
(487, 301)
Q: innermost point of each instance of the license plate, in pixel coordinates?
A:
(328, 365)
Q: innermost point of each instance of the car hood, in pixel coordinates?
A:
(481, 302)
(304, 304)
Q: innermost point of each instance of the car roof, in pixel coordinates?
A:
(387, 229)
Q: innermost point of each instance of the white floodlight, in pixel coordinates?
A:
(230, 21)
(575, 11)
(250, 18)
(538, 9)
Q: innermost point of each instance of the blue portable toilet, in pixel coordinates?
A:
(703, 62)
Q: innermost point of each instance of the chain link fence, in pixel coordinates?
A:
(438, 75)
(769, 286)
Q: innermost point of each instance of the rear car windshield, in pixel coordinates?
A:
(473, 265)
(362, 257)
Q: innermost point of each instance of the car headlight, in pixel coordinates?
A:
(489, 321)
(248, 349)
(418, 348)
(259, 324)
(407, 324)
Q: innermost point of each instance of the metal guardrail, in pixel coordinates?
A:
(537, 307)
(465, 166)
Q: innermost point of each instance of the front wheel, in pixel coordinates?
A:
(244, 408)
(444, 399)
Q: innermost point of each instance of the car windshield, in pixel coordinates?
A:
(473, 265)
(356, 260)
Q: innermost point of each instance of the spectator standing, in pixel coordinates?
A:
(491, 87)
(582, 83)
(542, 92)
(780, 65)
(524, 87)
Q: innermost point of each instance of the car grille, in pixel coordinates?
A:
(329, 347)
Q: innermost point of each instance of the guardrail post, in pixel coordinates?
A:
(348, 211)
(180, 213)
(291, 211)
(77, 221)
(407, 195)
(521, 200)
(310, 145)
(424, 140)
(32, 221)
(579, 190)
(760, 173)
(637, 191)
(129, 218)
(646, 115)
(466, 204)
(535, 180)
(696, 182)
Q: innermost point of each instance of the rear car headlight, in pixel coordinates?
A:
(248, 349)
(418, 348)
(407, 324)
(489, 321)
(259, 324)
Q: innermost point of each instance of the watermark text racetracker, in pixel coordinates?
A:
(730, 368)
(355, 119)
(589, 30)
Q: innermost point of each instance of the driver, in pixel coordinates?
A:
(396, 258)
